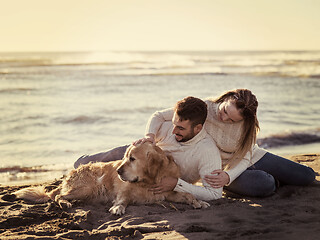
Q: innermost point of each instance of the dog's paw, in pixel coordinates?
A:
(196, 204)
(199, 204)
(64, 204)
(204, 204)
(117, 210)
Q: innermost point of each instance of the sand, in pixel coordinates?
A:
(291, 213)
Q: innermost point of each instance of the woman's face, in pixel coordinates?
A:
(228, 112)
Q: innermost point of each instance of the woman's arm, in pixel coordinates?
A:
(239, 168)
(225, 178)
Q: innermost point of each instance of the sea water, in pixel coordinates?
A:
(56, 107)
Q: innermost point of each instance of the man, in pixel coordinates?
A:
(191, 147)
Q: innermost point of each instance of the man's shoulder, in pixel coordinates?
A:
(206, 142)
(206, 149)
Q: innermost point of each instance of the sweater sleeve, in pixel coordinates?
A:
(157, 119)
(209, 160)
(241, 166)
(200, 192)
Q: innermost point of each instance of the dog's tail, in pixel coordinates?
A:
(33, 194)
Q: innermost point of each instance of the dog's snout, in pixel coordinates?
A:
(120, 170)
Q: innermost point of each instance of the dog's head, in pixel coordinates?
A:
(142, 163)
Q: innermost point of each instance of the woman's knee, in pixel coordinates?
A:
(269, 188)
(254, 183)
(266, 185)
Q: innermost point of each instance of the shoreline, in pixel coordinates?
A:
(291, 213)
(24, 175)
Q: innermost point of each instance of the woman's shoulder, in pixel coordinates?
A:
(212, 106)
(211, 102)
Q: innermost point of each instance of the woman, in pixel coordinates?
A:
(247, 169)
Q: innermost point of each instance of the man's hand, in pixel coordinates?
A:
(149, 137)
(166, 184)
(217, 179)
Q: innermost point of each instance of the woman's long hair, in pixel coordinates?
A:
(246, 102)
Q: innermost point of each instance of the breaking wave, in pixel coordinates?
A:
(11, 175)
(285, 64)
(15, 90)
(82, 119)
(289, 139)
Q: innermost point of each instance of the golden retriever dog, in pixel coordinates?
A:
(123, 182)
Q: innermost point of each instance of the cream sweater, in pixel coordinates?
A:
(196, 158)
(225, 135)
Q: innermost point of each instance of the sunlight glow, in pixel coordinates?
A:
(75, 25)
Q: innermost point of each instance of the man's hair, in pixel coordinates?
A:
(192, 109)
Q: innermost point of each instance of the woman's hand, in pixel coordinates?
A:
(149, 137)
(217, 179)
(166, 184)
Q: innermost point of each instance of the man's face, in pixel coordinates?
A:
(182, 130)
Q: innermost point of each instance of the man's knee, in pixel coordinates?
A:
(81, 160)
(111, 155)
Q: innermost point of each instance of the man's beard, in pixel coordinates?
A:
(186, 138)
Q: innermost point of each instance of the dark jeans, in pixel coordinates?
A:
(259, 180)
(110, 155)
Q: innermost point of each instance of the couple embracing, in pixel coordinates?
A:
(215, 141)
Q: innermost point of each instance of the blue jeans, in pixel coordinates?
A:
(259, 180)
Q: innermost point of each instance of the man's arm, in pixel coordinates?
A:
(154, 124)
(206, 193)
(209, 160)
(157, 119)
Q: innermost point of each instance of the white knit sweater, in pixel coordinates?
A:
(196, 158)
(225, 135)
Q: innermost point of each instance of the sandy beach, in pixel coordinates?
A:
(291, 213)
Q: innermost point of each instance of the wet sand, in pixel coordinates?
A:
(291, 213)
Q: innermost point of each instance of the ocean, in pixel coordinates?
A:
(58, 106)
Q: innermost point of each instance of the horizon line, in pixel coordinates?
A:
(186, 50)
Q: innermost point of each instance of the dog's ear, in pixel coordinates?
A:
(170, 158)
(126, 154)
(155, 162)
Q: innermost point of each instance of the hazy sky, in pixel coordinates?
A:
(72, 25)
